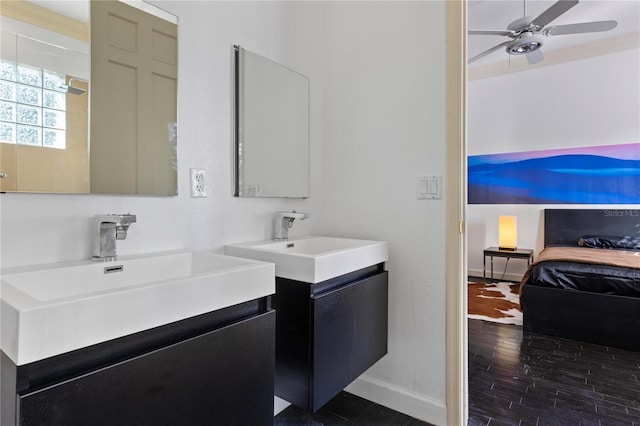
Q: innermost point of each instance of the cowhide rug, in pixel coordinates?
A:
(497, 302)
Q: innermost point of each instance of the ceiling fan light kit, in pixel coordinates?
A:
(528, 33)
(527, 42)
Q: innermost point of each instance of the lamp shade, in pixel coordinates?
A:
(507, 232)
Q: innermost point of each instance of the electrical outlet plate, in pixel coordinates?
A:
(198, 183)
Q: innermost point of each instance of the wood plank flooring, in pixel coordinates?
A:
(518, 378)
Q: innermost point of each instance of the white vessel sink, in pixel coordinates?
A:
(314, 259)
(51, 309)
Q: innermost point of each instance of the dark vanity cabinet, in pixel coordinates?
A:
(213, 369)
(328, 333)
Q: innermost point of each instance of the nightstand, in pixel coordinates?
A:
(524, 254)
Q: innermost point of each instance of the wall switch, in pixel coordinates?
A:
(429, 187)
(198, 183)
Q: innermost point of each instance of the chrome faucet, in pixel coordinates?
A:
(108, 228)
(283, 221)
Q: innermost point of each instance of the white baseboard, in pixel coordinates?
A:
(399, 399)
(496, 275)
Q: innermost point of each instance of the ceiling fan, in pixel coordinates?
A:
(527, 34)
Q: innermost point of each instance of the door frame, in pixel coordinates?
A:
(456, 250)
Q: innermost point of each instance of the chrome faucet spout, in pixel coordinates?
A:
(109, 228)
(283, 221)
(122, 226)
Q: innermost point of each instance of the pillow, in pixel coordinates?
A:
(611, 242)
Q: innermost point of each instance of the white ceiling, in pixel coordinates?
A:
(498, 14)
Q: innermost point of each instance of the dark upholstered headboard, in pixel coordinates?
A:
(565, 226)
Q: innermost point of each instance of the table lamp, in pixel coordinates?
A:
(507, 233)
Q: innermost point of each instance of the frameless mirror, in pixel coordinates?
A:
(94, 118)
(271, 128)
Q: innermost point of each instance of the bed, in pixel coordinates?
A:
(590, 292)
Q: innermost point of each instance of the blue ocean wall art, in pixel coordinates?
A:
(608, 174)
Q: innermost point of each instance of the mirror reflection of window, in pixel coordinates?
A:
(43, 114)
(44, 101)
(32, 106)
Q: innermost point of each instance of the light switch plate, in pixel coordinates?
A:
(429, 187)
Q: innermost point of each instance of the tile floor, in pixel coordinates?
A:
(518, 378)
(346, 409)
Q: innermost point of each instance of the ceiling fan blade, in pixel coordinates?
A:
(553, 12)
(492, 32)
(534, 57)
(586, 27)
(486, 52)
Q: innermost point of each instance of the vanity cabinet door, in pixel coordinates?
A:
(349, 334)
(222, 377)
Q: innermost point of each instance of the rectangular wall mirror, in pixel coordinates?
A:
(80, 117)
(271, 128)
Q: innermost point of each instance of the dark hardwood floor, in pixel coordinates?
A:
(346, 409)
(518, 378)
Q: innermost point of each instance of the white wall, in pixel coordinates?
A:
(377, 73)
(384, 127)
(590, 102)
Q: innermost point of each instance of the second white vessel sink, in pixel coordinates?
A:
(312, 258)
(51, 309)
